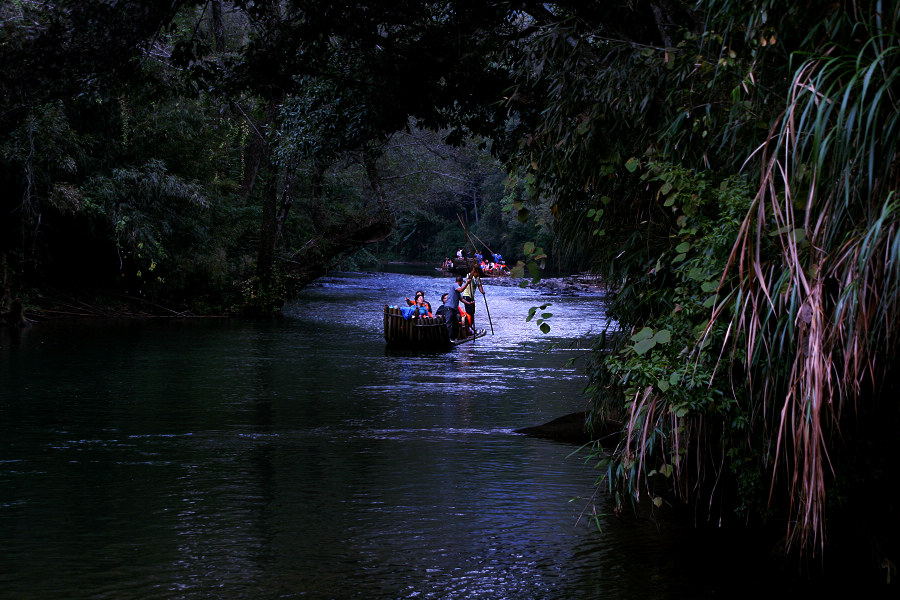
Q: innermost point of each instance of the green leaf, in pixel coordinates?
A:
(663, 336)
(710, 286)
(632, 164)
(643, 334)
(682, 411)
(666, 188)
(683, 247)
(546, 315)
(666, 470)
(697, 274)
(591, 212)
(531, 312)
(644, 345)
(529, 247)
(657, 501)
(663, 385)
(545, 328)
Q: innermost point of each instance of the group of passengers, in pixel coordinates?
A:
(457, 306)
(493, 266)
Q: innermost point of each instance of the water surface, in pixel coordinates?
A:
(298, 458)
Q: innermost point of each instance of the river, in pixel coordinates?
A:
(298, 458)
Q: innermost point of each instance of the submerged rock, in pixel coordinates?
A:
(572, 428)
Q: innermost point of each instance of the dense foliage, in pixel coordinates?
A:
(728, 168)
(732, 174)
(161, 151)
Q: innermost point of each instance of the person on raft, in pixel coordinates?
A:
(419, 300)
(473, 282)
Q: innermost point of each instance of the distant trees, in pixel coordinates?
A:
(248, 105)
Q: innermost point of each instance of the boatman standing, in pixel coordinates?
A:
(451, 303)
(473, 282)
(450, 314)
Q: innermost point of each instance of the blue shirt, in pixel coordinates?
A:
(453, 298)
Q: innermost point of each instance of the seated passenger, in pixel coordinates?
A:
(419, 300)
(465, 324)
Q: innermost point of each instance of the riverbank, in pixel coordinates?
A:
(49, 304)
(567, 285)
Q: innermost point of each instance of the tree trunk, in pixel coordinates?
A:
(369, 159)
(328, 248)
(268, 232)
(258, 150)
(334, 241)
(217, 25)
(287, 199)
(316, 205)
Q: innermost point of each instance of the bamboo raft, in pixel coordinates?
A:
(463, 269)
(461, 266)
(420, 332)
